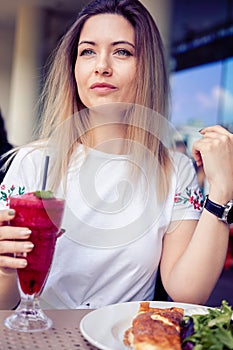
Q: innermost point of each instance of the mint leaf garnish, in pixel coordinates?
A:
(44, 194)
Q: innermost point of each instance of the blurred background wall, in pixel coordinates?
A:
(198, 37)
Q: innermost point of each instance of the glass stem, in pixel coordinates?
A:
(28, 304)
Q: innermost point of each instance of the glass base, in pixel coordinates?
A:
(28, 318)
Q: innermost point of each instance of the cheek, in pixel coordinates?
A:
(78, 75)
(81, 71)
(80, 80)
(131, 85)
(131, 76)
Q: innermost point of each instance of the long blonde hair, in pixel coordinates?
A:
(62, 105)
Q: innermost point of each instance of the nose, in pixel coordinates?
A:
(103, 71)
(103, 67)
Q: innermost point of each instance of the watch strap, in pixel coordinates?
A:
(214, 208)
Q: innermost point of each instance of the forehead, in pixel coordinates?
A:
(110, 27)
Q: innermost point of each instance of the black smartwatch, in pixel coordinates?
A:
(223, 212)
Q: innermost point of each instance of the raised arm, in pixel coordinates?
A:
(194, 253)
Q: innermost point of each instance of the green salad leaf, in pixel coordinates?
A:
(213, 330)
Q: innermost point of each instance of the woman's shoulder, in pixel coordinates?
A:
(33, 151)
(183, 166)
(180, 159)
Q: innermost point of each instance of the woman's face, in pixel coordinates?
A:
(105, 69)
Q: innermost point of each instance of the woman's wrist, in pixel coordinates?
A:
(220, 197)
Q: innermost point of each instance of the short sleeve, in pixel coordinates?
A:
(22, 176)
(188, 198)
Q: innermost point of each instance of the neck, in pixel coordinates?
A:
(107, 138)
(107, 133)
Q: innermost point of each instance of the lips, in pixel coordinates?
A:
(102, 87)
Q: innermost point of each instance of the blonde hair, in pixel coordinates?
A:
(62, 105)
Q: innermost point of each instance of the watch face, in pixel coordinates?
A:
(230, 216)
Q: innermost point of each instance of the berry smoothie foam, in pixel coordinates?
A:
(43, 216)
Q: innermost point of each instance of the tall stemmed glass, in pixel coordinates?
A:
(42, 214)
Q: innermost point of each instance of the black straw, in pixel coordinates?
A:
(46, 165)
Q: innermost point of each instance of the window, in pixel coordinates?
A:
(203, 95)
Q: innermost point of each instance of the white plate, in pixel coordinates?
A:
(105, 327)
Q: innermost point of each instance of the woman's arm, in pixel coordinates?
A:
(194, 253)
(193, 257)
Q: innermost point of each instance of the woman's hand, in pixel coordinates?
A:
(13, 241)
(215, 152)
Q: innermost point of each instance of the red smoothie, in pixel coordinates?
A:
(43, 217)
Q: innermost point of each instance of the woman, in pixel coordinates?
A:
(131, 202)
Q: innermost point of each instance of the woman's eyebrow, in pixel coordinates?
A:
(113, 44)
(86, 42)
(122, 42)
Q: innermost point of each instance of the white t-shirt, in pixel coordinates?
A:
(114, 227)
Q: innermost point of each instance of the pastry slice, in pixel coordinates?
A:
(155, 329)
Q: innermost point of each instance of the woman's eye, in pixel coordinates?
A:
(86, 52)
(123, 52)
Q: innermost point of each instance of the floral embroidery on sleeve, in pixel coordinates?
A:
(195, 197)
(5, 194)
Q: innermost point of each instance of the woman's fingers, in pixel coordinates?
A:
(197, 155)
(9, 232)
(15, 247)
(13, 254)
(215, 128)
(14, 242)
(6, 215)
(215, 152)
(61, 232)
(9, 262)
(215, 141)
